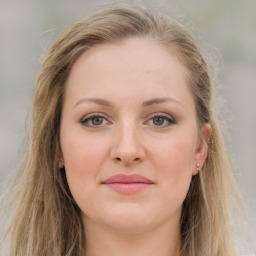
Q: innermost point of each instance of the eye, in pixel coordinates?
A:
(161, 120)
(95, 120)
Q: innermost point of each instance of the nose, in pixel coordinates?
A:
(127, 146)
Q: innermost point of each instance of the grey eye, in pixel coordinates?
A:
(158, 120)
(161, 120)
(93, 121)
(97, 120)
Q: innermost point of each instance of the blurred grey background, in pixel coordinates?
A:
(225, 28)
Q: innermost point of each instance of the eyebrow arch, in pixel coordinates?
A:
(160, 100)
(96, 101)
(147, 103)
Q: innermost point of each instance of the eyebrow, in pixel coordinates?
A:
(160, 100)
(147, 103)
(96, 101)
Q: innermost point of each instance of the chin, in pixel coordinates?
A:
(129, 220)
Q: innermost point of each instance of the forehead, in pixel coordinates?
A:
(143, 52)
(132, 67)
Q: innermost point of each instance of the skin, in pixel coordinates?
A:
(129, 139)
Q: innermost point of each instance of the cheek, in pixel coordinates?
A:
(174, 161)
(83, 153)
(83, 158)
(175, 155)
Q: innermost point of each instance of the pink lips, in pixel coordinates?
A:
(128, 184)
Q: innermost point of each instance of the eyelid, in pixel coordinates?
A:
(167, 117)
(163, 115)
(92, 115)
(87, 117)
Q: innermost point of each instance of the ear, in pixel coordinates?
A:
(61, 160)
(61, 163)
(60, 157)
(202, 147)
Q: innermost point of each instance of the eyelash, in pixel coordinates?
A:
(85, 121)
(166, 118)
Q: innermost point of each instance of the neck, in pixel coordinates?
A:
(164, 241)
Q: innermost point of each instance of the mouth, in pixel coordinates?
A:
(128, 184)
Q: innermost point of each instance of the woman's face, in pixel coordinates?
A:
(129, 136)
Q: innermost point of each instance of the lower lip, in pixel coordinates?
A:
(128, 188)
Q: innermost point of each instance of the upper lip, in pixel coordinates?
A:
(122, 178)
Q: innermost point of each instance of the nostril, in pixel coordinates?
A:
(135, 160)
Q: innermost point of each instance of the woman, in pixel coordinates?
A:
(124, 155)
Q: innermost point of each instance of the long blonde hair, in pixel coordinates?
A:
(46, 219)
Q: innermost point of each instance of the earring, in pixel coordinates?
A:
(198, 167)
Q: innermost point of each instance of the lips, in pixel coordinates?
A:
(122, 178)
(127, 184)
